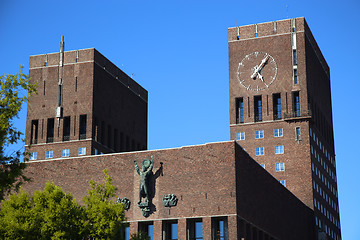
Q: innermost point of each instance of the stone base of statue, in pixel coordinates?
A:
(145, 208)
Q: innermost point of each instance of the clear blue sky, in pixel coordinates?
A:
(178, 51)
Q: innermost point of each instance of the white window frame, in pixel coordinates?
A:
(278, 132)
(240, 136)
(259, 134)
(49, 154)
(259, 151)
(283, 182)
(280, 167)
(65, 152)
(82, 151)
(33, 156)
(279, 149)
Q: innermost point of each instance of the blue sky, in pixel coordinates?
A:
(178, 51)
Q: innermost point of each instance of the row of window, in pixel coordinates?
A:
(326, 213)
(324, 180)
(326, 197)
(259, 134)
(323, 164)
(322, 147)
(328, 230)
(64, 153)
(279, 167)
(260, 151)
(258, 106)
(194, 231)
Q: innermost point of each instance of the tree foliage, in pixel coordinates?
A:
(139, 236)
(53, 214)
(12, 96)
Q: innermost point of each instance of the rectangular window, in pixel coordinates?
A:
(33, 156)
(239, 110)
(219, 228)
(126, 235)
(296, 104)
(240, 136)
(295, 56)
(259, 151)
(263, 165)
(65, 152)
(34, 131)
(96, 152)
(66, 129)
(283, 182)
(297, 132)
(82, 150)
(258, 108)
(279, 149)
(50, 130)
(278, 132)
(259, 134)
(295, 76)
(148, 228)
(49, 154)
(280, 167)
(277, 106)
(170, 230)
(82, 129)
(60, 94)
(195, 229)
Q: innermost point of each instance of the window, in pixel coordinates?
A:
(259, 134)
(280, 167)
(279, 149)
(126, 233)
(82, 129)
(96, 152)
(195, 229)
(170, 230)
(278, 132)
(34, 131)
(258, 108)
(259, 151)
(49, 154)
(148, 228)
(277, 106)
(297, 132)
(65, 152)
(282, 182)
(66, 129)
(263, 165)
(294, 56)
(219, 229)
(295, 76)
(296, 104)
(239, 110)
(82, 150)
(50, 130)
(240, 136)
(33, 156)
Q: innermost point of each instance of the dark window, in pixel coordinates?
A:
(295, 57)
(96, 130)
(277, 106)
(295, 76)
(82, 129)
(219, 229)
(298, 133)
(195, 229)
(50, 130)
(258, 108)
(239, 110)
(148, 228)
(60, 95)
(34, 131)
(170, 230)
(296, 104)
(66, 129)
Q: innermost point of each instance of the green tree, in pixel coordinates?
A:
(104, 217)
(47, 214)
(12, 96)
(139, 236)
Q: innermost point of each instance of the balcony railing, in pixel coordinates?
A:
(50, 139)
(82, 136)
(66, 138)
(297, 114)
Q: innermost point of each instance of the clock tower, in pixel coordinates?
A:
(281, 114)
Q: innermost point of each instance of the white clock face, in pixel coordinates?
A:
(257, 71)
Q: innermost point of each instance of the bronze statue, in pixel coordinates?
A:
(147, 167)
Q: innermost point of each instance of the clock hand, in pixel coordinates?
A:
(258, 68)
(262, 79)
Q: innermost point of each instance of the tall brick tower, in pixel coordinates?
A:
(281, 114)
(84, 105)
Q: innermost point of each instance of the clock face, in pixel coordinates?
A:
(257, 71)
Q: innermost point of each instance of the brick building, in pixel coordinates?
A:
(280, 111)
(281, 135)
(84, 105)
